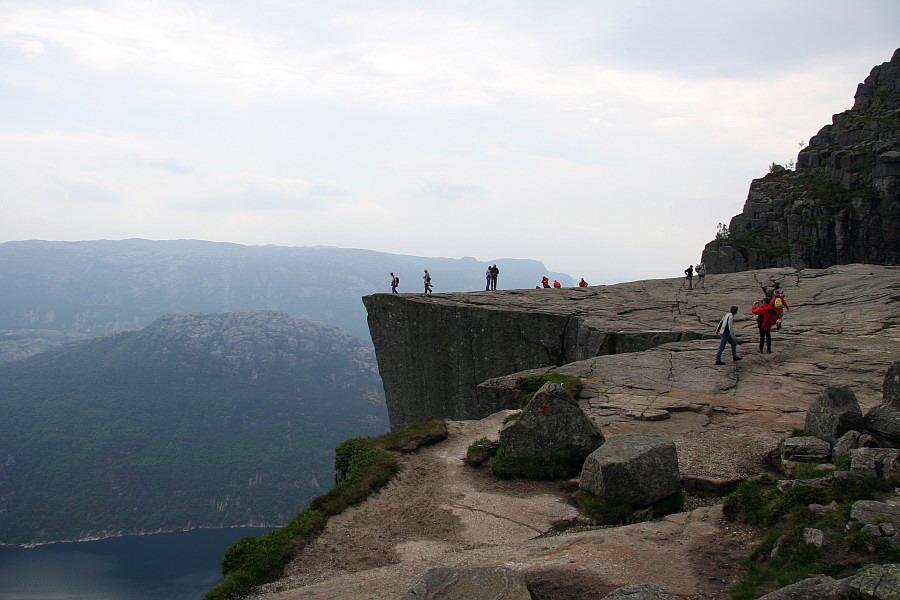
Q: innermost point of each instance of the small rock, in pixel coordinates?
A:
(845, 443)
(872, 530)
(447, 583)
(887, 529)
(786, 484)
(891, 388)
(813, 536)
(833, 413)
(649, 414)
(805, 449)
(821, 509)
(820, 586)
(880, 463)
(644, 591)
(825, 468)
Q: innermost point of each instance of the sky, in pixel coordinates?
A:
(606, 139)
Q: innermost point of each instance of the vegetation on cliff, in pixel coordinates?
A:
(362, 466)
(784, 556)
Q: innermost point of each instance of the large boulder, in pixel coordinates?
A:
(805, 449)
(635, 468)
(446, 583)
(883, 423)
(881, 582)
(876, 463)
(643, 591)
(835, 412)
(819, 586)
(551, 438)
(872, 512)
(891, 389)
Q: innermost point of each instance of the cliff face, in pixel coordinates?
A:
(840, 205)
(433, 352)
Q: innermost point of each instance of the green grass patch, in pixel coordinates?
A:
(532, 383)
(533, 468)
(604, 512)
(808, 471)
(512, 417)
(480, 451)
(783, 517)
(413, 436)
(364, 465)
(842, 461)
(799, 433)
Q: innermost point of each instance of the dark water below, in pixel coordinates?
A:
(165, 566)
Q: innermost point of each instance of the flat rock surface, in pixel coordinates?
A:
(438, 512)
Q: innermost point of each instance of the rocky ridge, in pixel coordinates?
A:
(840, 205)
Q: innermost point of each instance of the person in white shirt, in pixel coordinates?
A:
(726, 333)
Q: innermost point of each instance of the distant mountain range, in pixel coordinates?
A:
(196, 420)
(60, 291)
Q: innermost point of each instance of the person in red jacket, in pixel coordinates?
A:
(545, 282)
(767, 316)
(556, 284)
(582, 283)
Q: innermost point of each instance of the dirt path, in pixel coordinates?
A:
(437, 511)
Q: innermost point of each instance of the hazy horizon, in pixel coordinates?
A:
(605, 140)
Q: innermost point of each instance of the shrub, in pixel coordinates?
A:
(604, 512)
(532, 383)
(531, 468)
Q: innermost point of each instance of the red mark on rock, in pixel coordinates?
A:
(545, 408)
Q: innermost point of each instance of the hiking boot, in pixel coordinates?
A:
(737, 358)
(719, 362)
(768, 351)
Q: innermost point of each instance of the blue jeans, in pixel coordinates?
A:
(726, 338)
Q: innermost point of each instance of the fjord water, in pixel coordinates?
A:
(165, 566)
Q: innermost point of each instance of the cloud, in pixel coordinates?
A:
(169, 165)
(450, 192)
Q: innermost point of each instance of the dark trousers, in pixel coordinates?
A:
(487, 284)
(765, 338)
(494, 283)
(726, 338)
(393, 289)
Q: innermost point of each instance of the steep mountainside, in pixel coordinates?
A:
(196, 420)
(842, 203)
(103, 287)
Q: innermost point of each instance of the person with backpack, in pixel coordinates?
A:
(701, 274)
(395, 281)
(556, 284)
(689, 274)
(487, 279)
(545, 282)
(582, 283)
(427, 281)
(726, 336)
(766, 318)
(494, 273)
(779, 303)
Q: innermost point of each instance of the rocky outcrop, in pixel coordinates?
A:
(891, 388)
(643, 591)
(447, 583)
(636, 469)
(879, 582)
(819, 586)
(805, 449)
(883, 423)
(842, 203)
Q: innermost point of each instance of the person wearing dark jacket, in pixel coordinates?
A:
(766, 317)
(494, 272)
(689, 275)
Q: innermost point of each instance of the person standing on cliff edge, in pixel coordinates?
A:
(726, 333)
(494, 272)
(427, 281)
(395, 281)
(689, 274)
(488, 275)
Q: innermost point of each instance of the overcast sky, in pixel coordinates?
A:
(605, 138)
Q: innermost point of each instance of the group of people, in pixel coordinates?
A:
(490, 278)
(701, 275)
(426, 279)
(768, 311)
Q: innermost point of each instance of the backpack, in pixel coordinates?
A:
(396, 281)
(779, 303)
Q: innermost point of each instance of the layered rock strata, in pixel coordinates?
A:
(842, 203)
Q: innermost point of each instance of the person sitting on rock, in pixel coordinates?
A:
(556, 284)
(726, 333)
(582, 283)
(766, 317)
(545, 282)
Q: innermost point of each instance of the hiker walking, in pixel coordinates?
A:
(427, 281)
(395, 281)
(765, 320)
(701, 274)
(689, 273)
(487, 279)
(726, 336)
(779, 304)
(494, 272)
